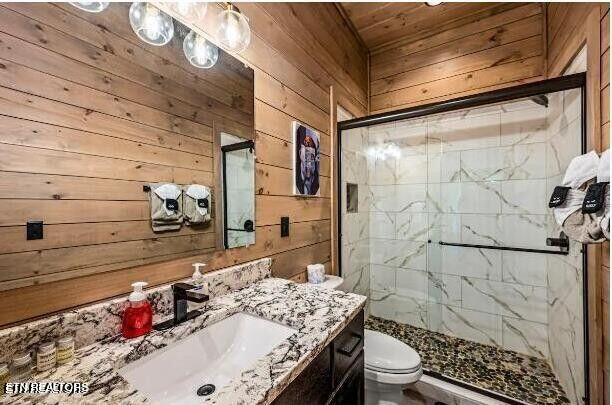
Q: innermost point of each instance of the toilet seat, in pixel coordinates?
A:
(390, 361)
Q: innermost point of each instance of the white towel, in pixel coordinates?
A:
(572, 203)
(603, 170)
(168, 191)
(581, 169)
(198, 192)
(603, 175)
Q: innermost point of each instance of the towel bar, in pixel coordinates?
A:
(514, 249)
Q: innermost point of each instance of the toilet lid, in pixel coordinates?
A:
(386, 354)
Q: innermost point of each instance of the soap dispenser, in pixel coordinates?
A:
(198, 278)
(138, 316)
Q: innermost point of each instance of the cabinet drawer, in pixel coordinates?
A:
(313, 386)
(346, 347)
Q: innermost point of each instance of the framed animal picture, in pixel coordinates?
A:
(306, 160)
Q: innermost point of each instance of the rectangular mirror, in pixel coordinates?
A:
(114, 119)
(238, 188)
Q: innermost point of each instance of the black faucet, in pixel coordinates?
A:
(182, 293)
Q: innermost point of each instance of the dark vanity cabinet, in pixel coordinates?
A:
(335, 376)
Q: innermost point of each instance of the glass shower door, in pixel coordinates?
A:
(448, 237)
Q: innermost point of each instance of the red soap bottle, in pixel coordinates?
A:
(138, 316)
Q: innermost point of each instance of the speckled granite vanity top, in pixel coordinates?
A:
(317, 315)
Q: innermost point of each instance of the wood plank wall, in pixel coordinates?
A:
(44, 84)
(570, 26)
(504, 47)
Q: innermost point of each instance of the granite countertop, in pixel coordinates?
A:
(318, 316)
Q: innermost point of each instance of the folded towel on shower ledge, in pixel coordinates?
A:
(585, 227)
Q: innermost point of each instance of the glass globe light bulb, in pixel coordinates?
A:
(233, 31)
(199, 51)
(150, 24)
(91, 6)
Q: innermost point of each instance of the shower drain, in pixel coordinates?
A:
(205, 390)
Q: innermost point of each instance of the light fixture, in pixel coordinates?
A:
(200, 52)
(233, 31)
(433, 3)
(150, 24)
(91, 6)
(193, 9)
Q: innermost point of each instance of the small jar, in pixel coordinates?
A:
(46, 356)
(21, 369)
(65, 350)
(4, 377)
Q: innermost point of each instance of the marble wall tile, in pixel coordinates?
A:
(477, 132)
(525, 337)
(470, 197)
(410, 198)
(382, 278)
(355, 258)
(411, 169)
(382, 198)
(388, 305)
(382, 225)
(477, 263)
(523, 231)
(444, 289)
(524, 268)
(443, 167)
(481, 229)
(411, 226)
(406, 254)
(505, 163)
(444, 227)
(355, 140)
(562, 147)
(357, 281)
(355, 227)
(355, 167)
(381, 171)
(464, 323)
(511, 300)
(572, 108)
(483, 165)
(411, 283)
(410, 136)
(524, 197)
(524, 125)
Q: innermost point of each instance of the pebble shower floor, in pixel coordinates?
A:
(512, 374)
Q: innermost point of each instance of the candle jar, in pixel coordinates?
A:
(65, 350)
(46, 356)
(21, 368)
(4, 377)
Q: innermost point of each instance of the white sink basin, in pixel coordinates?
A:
(214, 355)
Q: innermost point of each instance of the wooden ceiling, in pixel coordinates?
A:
(380, 24)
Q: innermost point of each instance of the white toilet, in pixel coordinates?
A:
(390, 365)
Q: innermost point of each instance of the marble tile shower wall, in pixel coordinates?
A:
(564, 273)
(476, 176)
(355, 225)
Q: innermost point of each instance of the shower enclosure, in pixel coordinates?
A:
(445, 226)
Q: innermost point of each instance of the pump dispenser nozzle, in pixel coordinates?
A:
(198, 277)
(138, 293)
